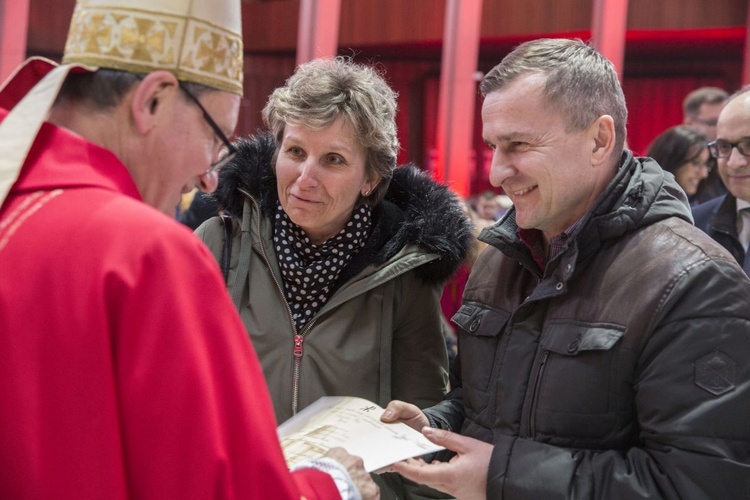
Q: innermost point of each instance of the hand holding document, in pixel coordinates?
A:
(353, 424)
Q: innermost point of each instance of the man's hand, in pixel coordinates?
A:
(356, 469)
(411, 415)
(464, 477)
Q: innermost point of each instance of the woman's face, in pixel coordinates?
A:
(690, 173)
(320, 175)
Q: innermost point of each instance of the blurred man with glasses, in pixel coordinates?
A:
(727, 218)
(700, 110)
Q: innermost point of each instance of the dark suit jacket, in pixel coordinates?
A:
(718, 219)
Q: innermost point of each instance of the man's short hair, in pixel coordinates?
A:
(692, 103)
(581, 83)
(105, 88)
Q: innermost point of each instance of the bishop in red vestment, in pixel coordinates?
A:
(126, 371)
(123, 374)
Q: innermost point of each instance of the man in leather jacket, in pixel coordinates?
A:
(603, 339)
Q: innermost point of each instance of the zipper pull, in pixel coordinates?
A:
(298, 339)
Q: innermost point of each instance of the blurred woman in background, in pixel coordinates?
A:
(682, 151)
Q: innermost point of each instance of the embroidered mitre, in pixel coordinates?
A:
(198, 41)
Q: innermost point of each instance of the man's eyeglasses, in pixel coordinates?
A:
(231, 151)
(723, 149)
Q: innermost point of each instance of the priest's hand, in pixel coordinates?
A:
(356, 469)
(464, 477)
(409, 414)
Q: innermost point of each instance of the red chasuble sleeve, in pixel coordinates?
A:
(195, 387)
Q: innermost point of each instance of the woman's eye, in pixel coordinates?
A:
(294, 151)
(335, 160)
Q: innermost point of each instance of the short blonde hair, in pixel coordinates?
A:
(324, 89)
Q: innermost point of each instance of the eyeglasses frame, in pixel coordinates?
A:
(713, 147)
(231, 150)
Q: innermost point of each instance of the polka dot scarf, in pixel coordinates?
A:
(309, 270)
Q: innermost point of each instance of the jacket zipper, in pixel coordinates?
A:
(297, 351)
(535, 394)
(298, 348)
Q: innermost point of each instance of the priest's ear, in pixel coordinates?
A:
(152, 96)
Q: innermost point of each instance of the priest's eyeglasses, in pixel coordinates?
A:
(723, 149)
(229, 150)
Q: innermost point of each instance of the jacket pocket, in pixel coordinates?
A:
(478, 336)
(570, 339)
(582, 392)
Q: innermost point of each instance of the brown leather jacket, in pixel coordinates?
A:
(621, 371)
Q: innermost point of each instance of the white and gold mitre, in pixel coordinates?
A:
(197, 40)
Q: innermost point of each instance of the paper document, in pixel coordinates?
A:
(353, 424)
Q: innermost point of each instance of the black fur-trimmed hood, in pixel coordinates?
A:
(416, 210)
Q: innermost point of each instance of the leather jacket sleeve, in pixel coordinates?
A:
(420, 358)
(449, 413)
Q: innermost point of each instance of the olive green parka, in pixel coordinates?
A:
(379, 335)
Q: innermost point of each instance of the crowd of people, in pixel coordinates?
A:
(583, 334)
(700, 155)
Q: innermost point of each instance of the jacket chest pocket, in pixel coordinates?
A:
(585, 389)
(478, 337)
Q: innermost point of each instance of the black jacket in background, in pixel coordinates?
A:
(718, 219)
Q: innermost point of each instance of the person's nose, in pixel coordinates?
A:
(308, 174)
(500, 168)
(736, 159)
(703, 172)
(208, 181)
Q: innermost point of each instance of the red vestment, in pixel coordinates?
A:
(126, 371)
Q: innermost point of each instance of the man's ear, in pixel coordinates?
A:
(602, 134)
(150, 98)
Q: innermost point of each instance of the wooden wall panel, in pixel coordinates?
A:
(685, 14)
(263, 73)
(408, 80)
(380, 22)
(671, 45)
(523, 17)
(270, 26)
(48, 27)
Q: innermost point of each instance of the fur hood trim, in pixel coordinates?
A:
(415, 210)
